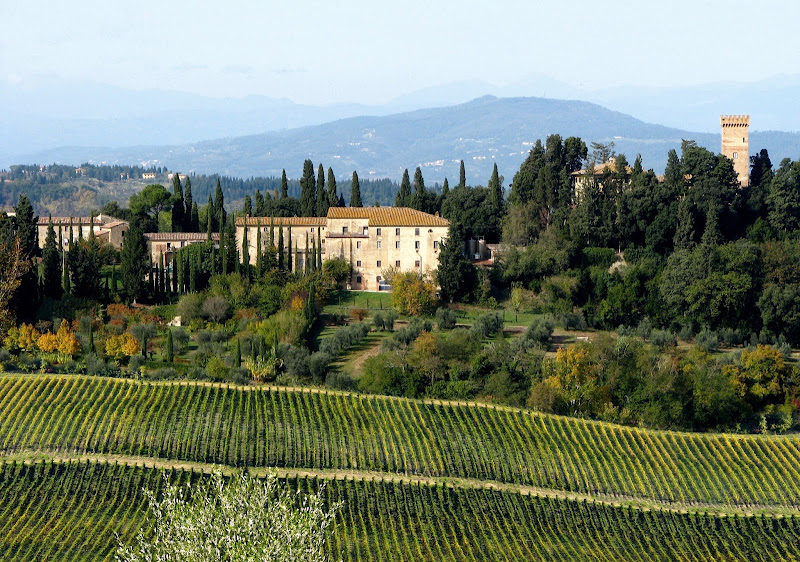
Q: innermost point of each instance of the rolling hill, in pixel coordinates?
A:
(481, 132)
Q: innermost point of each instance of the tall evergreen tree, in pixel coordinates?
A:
(333, 197)
(307, 190)
(178, 208)
(319, 250)
(456, 275)
(419, 197)
(281, 263)
(51, 265)
(259, 253)
(261, 208)
(175, 286)
(134, 263)
(189, 224)
(403, 198)
(170, 355)
(496, 192)
(211, 214)
(247, 207)
(322, 196)
(290, 254)
(25, 223)
(355, 194)
(284, 185)
(195, 219)
(462, 175)
(445, 188)
(306, 264)
(245, 253)
(66, 286)
(219, 206)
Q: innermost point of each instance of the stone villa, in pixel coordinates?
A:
(371, 239)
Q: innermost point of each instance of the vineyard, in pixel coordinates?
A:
(71, 511)
(335, 431)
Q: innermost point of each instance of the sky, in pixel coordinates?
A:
(323, 52)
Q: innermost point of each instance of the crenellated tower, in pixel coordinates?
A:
(736, 144)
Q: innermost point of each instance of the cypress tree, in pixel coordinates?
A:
(71, 237)
(176, 288)
(355, 193)
(25, 222)
(307, 190)
(238, 354)
(290, 261)
(223, 253)
(209, 224)
(419, 197)
(313, 253)
(51, 265)
(445, 189)
(192, 273)
(91, 338)
(245, 252)
(178, 209)
(305, 256)
(462, 176)
(247, 207)
(403, 198)
(341, 200)
(134, 262)
(189, 222)
(144, 345)
(211, 214)
(219, 205)
(284, 185)
(66, 287)
(170, 350)
(271, 245)
(496, 193)
(280, 247)
(322, 196)
(195, 221)
(80, 229)
(114, 280)
(260, 204)
(333, 197)
(259, 253)
(319, 250)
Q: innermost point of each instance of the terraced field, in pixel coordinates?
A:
(71, 511)
(334, 431)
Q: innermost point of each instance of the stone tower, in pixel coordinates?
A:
(735, 144)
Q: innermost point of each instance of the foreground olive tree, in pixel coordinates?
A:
(241, 519)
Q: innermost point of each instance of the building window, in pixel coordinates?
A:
(358, 280)
(358, 244)
(378, 263)
(379, 244)
(378, 231)
(397, 232)
(397, 244)
(416, 245)
(735, 155)
(344, 230)
(416, 232)
(378, 279)
(312, 229)
(397, 263)
(358, 263)
(416, 263)
(365, 231)
(435, 244)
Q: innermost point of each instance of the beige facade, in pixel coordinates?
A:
(167, 243)
(736, 144)
(371, 239)
(106, 228)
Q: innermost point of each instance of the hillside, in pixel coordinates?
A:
(481, 132)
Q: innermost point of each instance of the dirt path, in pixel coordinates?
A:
(645, 504)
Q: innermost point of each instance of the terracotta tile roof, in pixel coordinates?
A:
(282, 221)
(388, 216)
(179, 236)
(99, 220)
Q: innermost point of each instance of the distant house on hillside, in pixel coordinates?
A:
(149, 176)
(106, 228)
(372, 239)
(167, 243)
(580, 178)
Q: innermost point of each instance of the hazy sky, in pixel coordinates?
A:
(373, 51)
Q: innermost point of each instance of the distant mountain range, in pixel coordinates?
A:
(481, 132)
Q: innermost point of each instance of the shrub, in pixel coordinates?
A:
(295, 359)
(663, 339)
(161, 374)
(707, 340)
(445, 318)
(540, 332)
(389, 318)
(730, 338)
(378, 321)
(215, 309)
(487, 325)
(645, 328)
(413, 294)
(339, 381)
(216, 368)
(318, 364)
(135, 364)
(189, 307)
(358, 314)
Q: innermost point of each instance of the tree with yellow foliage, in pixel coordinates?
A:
(121, 346)
(761, 376)
(413, 294)
(24, 338)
